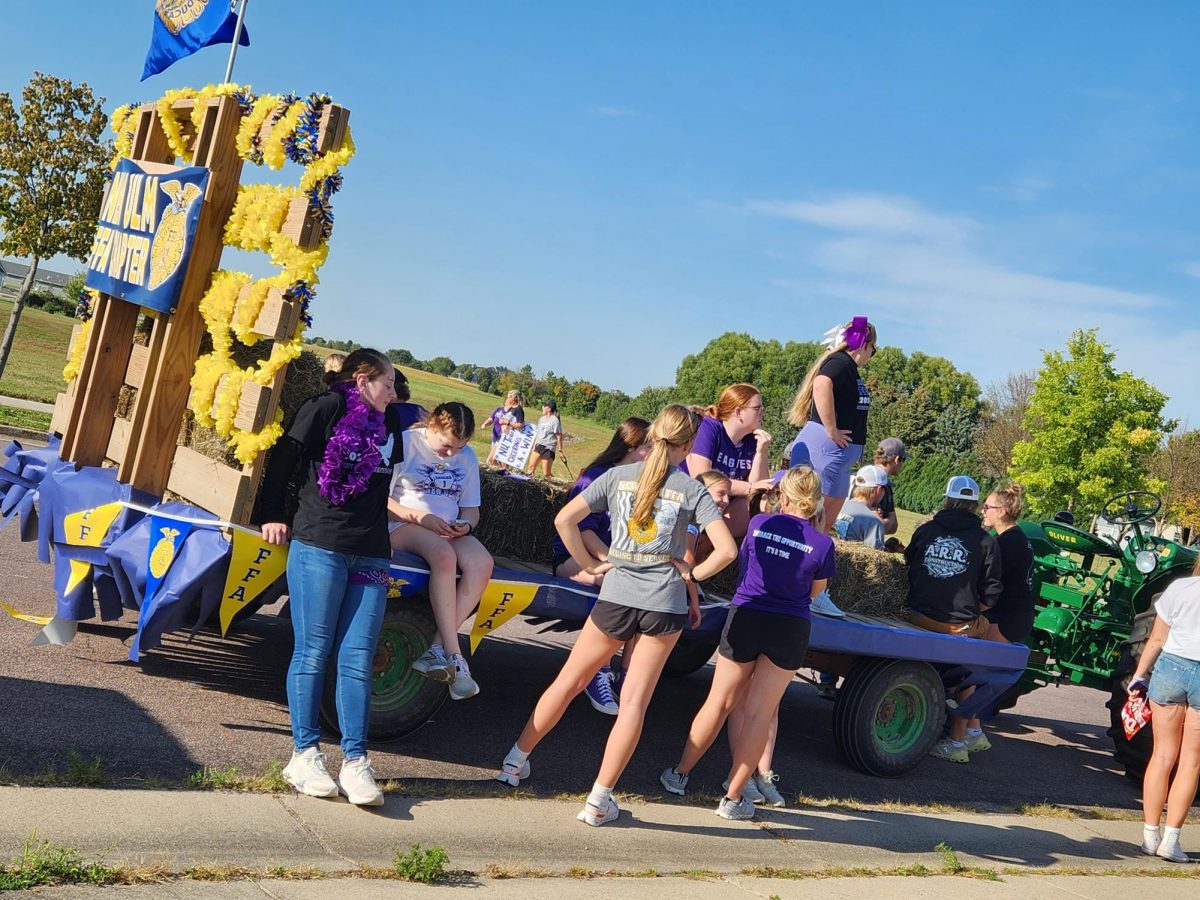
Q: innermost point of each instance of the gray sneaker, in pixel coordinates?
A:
(463, 686)
(749, 792)
(675, 782)
(434, 665)
(740, 810)
(765, 782)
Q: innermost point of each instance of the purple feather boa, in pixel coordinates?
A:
(352, 453)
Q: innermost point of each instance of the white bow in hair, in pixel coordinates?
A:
(833, 336)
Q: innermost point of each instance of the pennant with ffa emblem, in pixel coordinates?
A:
(501, 601)
(253, 567)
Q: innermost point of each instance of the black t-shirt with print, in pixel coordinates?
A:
(358, 526)
(851, 399)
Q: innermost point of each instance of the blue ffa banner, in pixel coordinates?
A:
(181, 27)
(144, 238)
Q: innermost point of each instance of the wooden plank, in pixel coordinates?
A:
(252, 407)
(159, 407)
(302, 225)
(139, 360)
(118, 444)
(62, 411)
(207, 483)
(332, 128)
(278, 317)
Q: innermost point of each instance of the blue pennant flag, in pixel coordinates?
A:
(181, 27)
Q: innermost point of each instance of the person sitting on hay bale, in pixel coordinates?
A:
(953, 579)
(435, 508)
(629, 444)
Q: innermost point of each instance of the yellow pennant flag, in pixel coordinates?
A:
(25, 617)
(88, 527)
(253, 567)
(501, 601)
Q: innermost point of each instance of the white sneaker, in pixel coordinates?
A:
(674, 782)
(463, 686)
(596, 816)
(307, 774)
(1170, 850)
(357, 782)
(513, 774)
(749, 792)
(738, 810)
(823, 605)
(765, 783)
(434, 665)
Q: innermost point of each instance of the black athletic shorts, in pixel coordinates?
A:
(546, 452)
(623, 622)
(751, 633)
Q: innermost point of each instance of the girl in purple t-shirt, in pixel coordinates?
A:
(502, 418)
(785, 562)
(731, 440)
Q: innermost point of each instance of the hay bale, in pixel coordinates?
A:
(517, 516)
(870, 582)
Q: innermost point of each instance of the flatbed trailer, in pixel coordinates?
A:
(889, 710)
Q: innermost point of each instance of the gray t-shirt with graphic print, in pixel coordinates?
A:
(642, 575)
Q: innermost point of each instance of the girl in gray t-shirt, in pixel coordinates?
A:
(651, 505)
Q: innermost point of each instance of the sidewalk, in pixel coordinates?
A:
(33, 405)
(492, 838)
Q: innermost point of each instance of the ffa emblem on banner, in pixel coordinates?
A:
(253, 567)
(170, 534)
(501, 601)
(177, 15)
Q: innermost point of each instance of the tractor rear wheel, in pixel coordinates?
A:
(1132, 754)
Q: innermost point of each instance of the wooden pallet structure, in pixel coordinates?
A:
(143, 444)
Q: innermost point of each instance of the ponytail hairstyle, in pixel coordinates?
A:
(363, 361)
(452, 418)
(731, 400)
(802, 487)
(845, 339)
(630, 435)
(711, 477)
(1009, 497)
(514, 396)
(675, 426)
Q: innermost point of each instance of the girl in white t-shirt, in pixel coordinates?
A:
(434, 508)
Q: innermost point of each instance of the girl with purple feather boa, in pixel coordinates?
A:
(344, 444)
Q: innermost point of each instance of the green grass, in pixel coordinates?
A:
(423, 866)
(270, 780)
(34, 370)
(30, 419)
(43, 863)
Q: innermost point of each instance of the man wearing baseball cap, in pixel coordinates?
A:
(858, 520)
(890, 456)
(953, 576)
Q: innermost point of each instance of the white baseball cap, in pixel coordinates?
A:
(962, 487)
(871, 477)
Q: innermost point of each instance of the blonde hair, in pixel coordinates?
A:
(333, 362)
(675, 426)
(802, 403)
(514, 396)
(711, 477)
(1010, 499)
(802, 486)
(731, 400)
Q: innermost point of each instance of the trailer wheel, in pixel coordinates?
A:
(889, 715)
(690, 655)
(401, 700)
(1132, 754)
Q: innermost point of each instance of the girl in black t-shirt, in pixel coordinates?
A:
(830, 409)
(346, 442)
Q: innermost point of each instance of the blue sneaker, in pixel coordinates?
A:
(600, 692)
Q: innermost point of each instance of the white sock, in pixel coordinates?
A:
(974, 732)
(955, 743)
(600, 795)
(516, 756)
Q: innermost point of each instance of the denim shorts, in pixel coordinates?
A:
(1175, 680)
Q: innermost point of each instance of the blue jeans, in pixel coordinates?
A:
(337, 603)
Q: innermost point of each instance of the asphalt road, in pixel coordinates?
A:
(220, 703)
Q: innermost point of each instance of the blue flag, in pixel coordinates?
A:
(181, 27)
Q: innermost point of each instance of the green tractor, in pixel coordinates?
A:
(1095, 607)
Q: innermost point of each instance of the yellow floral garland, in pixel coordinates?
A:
(254, 224)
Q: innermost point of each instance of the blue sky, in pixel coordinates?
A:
(599, 189)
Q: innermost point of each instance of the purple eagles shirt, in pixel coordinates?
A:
(598, 522)
(713, 443)
(781, 557)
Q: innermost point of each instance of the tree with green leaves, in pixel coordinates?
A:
(1092, 430)
(52, 165)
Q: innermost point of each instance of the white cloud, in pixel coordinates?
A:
(1191, 268)
(612, 112)
(929, 283)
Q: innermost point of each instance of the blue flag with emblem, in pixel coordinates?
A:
(181, 27)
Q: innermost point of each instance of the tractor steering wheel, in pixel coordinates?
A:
(1127, 508)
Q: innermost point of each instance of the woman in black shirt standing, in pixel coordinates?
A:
(830, 409)
(347, 441)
